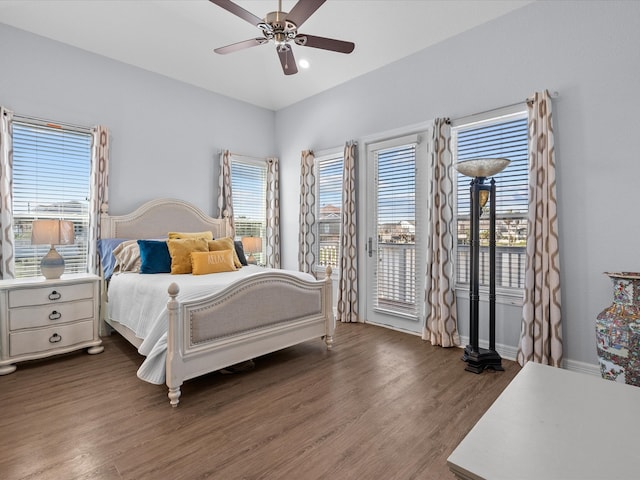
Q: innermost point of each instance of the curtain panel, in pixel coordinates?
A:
(541, 335)
(441, 317)
(99, 192)
(273, 213)
(307, 237)
(7, 259)
(225, 199)
(348, 279)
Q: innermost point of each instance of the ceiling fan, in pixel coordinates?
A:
(282, 28)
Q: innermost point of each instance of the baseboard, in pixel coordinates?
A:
(510, 353)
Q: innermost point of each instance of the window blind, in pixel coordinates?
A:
(51, 179)
(329, 213)
(396, 225)
(249, 190)
(507, 139)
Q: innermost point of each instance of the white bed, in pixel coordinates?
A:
(190, 325)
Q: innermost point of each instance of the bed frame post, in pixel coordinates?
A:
(173, 375)
(328, 301)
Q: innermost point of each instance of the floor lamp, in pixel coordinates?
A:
(479, 169)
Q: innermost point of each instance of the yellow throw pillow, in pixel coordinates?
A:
(225, 243)
(212, 262)
(205, 235)
(180, 251)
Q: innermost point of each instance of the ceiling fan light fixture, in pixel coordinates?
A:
(304, 63)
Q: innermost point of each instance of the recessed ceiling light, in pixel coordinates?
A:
(304, 63)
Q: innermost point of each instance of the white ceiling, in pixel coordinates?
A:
(176, 38)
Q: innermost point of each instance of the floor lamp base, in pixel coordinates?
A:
(483, 359)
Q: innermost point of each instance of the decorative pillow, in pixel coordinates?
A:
(127, 256)
(106, 247)
(155, 256)
(205, 235)
(225, 243)
(212, 262)
(240, 252)
(180, 251)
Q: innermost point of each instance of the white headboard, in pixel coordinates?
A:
(156, 218)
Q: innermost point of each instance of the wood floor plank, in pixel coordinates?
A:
(381, 405)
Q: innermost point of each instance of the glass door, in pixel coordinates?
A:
(395, 258)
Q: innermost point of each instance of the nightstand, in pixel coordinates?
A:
(40, 318)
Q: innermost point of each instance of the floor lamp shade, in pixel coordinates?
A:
(52, 232)
(252, 245)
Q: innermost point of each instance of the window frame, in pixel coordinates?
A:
(504, 295)
(322, 157)
(73, 263)
(252, 163)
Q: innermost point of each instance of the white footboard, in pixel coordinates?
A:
(258, 315)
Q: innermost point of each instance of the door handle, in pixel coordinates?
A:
(370, 247)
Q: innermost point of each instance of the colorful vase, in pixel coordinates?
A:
(618, 331)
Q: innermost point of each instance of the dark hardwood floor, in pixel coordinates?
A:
(381, 405)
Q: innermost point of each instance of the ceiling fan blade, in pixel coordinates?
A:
(287, 60)
(234, 47)
(238, 11)
(324, 43)
(303, 10)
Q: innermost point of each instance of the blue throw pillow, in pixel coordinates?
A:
(240, 252)
(155, 257)
(105, 250)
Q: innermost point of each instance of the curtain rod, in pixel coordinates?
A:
(527, 100)
(244, 156)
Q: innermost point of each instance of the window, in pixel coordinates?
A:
(502, 136)
(329, 214)
(249, 187)
(51, 180)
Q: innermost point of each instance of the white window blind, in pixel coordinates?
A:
(249, 190)
(51, 179)
(507, 138)
(396, 225)
(329, 215)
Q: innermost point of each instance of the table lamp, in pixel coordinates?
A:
(252, 245)
(52, 232)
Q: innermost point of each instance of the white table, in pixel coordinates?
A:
(553, 424)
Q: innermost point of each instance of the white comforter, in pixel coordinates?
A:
(140, 303)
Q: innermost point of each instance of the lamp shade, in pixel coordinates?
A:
(482, 167)
(52, 232)
(252, 244)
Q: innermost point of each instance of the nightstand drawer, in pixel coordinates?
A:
(49, 315)
(27, 297)
(43, 339)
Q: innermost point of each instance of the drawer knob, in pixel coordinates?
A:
(55, 295)
(55, 315)
(55, 338)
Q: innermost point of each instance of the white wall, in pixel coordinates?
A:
(588, 52)
(166, 135)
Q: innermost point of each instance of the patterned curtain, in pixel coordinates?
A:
(541, 337)
(99, 192)
(225, 202)
(273, 213)
(307, 236)
(7, 265)
(441, 322)
(348, 280)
